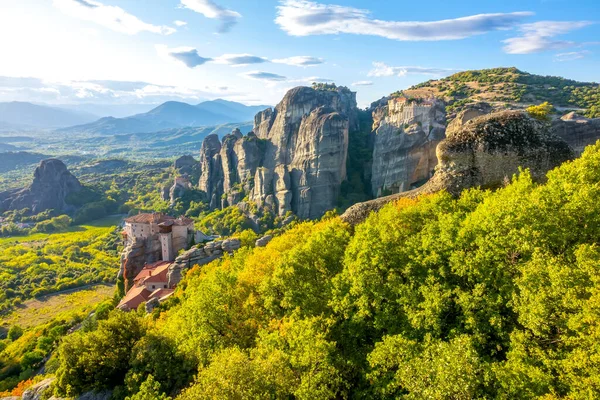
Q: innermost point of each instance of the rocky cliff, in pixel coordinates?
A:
(406, 133)
(484, 151)
(52, 185)
(577, 131)
(295, 160)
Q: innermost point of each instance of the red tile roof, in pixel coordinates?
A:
(158, 218)
(136, 296)
(159, 274)
(151, 269)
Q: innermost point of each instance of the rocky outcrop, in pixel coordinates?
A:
(263, 241)
(200, 256)
(51, 187)
(406, 133)
(577, 131)
(38, 392)
(295, 160)
(186, 165)
(136, 254)
(484, 152)
(211, 170)
(186, 170)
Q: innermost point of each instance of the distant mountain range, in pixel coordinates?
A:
(109, 110)
(21, 115)
(86, 118)
(172, 115)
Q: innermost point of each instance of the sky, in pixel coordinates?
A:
(150, 51)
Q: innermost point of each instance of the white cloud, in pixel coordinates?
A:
(316, 79)
(363, 83)
(300, 61)
(239, 60)
(180, 23)
(111, 17)
(212, 10)
(572, 55)
(382, 69)
(187, 55)
(264, 76)
(303, 18)
(538, 36)
(101, 92)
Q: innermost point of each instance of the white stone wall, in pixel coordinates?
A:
(181, 237)
(166, 243)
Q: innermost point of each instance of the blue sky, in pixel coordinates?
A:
(132, 51)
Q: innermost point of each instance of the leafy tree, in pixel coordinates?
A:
(98, 360)
(14, 333)
(541, 112)
(149, 390)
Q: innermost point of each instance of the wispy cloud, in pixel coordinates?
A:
(180, 23)
(111, 17)
(264, 76)
(572, 55)
(212, 10)
(363, 83)
(239, 60)
(303, 18)
(300, 61)
(187, 55)
(382, 69)
(102, 91)
(539, 36)
(190, 57)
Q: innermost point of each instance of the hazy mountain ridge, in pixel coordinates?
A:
(23, 115)
(172, 114)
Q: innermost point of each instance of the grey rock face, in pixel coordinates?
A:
(295, 160)
(200, 256)
(136, 254)
(577, 131)
(406, 134)
(52, 185)
(36, 391)
(484, 152)
(263, 241)
(186, 165)
(211, 170)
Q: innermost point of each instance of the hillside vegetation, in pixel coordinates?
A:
(510, 85)
(39, 264)
(490, 295)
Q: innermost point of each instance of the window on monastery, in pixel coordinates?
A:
(153, 287)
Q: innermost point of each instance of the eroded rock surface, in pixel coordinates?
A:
(295, 160)
(485, 151)
(200, 255)
(577, 131)
(406, 133)
(51, 187)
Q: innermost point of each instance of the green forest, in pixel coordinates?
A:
(489, 295)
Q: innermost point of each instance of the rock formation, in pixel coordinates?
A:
(40, 391)
(52, 185)
(484, 152)
(200, 255)
(263, 241)
(295, 160)
(406, 133)
(137, 253)
(577, 131)
(187, 169)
